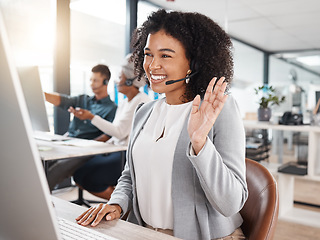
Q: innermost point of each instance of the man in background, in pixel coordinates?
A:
(100, 104)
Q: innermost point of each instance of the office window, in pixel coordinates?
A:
(280, 76)
(144, 10)
(97, 37)
(248, 74)
(30, 28)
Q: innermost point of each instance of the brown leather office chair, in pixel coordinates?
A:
(260, 212)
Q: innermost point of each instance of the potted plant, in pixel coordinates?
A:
(267, 99)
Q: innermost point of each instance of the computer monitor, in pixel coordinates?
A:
(32, 90)
(25, 198)
(313, 96)
(25, 204)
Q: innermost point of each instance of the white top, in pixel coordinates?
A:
(120, 128)
(153, 154)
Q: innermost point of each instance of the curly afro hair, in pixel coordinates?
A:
(208, 48)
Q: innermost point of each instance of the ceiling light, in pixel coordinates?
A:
(310, 60)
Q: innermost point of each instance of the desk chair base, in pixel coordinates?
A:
(81, 201)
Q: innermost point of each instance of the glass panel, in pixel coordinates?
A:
(248, 74)
(30, 28)
(97, 37)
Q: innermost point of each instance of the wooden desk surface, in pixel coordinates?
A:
(118, 228)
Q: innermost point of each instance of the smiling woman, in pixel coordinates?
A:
(211, 55)
(185, 157)
(165, 60)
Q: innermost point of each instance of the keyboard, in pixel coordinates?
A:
(77, 142)
(73, 231)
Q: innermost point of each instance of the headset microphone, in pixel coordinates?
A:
(178, 80)
(98, 87)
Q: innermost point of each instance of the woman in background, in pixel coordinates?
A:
(100, 174)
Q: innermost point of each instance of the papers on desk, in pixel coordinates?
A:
(64, 140)
(80, 143)
(44, 148)
(47, 136)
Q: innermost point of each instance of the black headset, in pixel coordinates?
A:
(194, 71)
(194, 66)
(105, 81)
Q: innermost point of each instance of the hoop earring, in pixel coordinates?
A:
(187, 77)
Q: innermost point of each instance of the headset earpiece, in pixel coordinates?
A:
(105, 81)
(129, 82)
(192, 71)
(193, 66)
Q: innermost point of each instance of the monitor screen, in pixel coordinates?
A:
(317, 99)
(32, 90)
(24, 191)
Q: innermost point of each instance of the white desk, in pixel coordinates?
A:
(277, 142)
(313, 142)
(57, 150)
(119, 229)
(286, 181)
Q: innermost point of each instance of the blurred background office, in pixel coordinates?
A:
(50, 35)
(272, 39)
(276, 43)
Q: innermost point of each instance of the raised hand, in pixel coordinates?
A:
(80, 113)
(202, 119)
(95, 214)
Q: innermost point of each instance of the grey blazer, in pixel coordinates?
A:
(208, 190)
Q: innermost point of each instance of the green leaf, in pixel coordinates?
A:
(269, 98)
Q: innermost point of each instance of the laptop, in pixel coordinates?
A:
(25, 203)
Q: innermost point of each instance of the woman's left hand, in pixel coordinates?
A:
(202, 119)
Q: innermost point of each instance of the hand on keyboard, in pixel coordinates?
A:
(95, 214)
(72, 231)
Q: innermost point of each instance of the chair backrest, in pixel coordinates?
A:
(260, 212)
